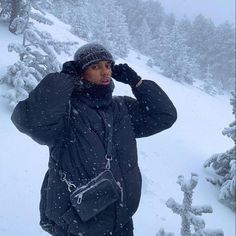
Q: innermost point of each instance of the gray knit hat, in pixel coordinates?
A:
(91, 53)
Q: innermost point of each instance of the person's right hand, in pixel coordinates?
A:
(72, 68)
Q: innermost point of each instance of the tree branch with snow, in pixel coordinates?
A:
(190, 214)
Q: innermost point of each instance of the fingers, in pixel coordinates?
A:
(120, 68)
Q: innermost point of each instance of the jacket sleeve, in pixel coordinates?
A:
(152, 111)
(41, 115)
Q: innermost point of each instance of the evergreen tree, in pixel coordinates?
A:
(185, 29)
(132, 11)
(80, 19)
(223, 56)
(102, 22)
(147, 14)
(16, 12)
(190, 214)
(64, 10)
(208, 83)
(224, 165)
(153, 13)
(143, 37)
(99, 23)
(37, 57)
(10, 9)
(108, 26)
(170, 22)
(119, 33)
(159, 45)
(202, 38)
(20, 22)
(174, 57)
(5, 10)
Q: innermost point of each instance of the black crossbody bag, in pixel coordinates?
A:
(99, 193)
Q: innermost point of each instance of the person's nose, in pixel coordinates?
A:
(105, 71)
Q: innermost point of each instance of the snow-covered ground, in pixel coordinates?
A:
(180, 150)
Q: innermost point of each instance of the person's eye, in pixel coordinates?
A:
(94, 67)
(108, 66)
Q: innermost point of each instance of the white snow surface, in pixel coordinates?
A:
(182, 149)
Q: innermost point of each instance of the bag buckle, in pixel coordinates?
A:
(109, 159)
(70, 185)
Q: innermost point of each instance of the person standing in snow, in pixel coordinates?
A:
(73, 112)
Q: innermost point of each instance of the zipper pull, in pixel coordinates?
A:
(79, 196)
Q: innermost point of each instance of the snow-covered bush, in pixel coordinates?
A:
(190, 214)
(224, 165)
(37, 58)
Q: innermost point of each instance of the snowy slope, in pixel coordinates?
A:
(180, 150)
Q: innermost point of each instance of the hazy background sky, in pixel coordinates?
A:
(218, 10)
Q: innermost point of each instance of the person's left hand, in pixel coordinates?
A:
(125, 74)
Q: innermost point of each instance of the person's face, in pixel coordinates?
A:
(98, 73)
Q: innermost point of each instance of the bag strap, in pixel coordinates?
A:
(108, 156)
(109, 131)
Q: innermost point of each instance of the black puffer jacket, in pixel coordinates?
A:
(75, 137)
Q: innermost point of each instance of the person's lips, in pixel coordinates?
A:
(106, 81)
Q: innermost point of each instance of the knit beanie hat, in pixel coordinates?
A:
(91, 53)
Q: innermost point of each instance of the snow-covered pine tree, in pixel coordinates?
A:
(10, 9)
(202, 38)
(154, 15)
(80, 19)
(17, 12)
(132, 11)
(158, 45)
(173, 55)
(96, 21)
(99, 23)
(143, 36)
(224, 165)
(208, 83)
(185, 29)
(64, 10)
(139, 13)
(223, 57)
(213, 46)
(5, 10)
(36, 11)
(170, 21)
(190, 214)
(108, 26)
(37, 57)
(119, 33)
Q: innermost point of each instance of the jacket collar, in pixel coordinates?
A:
(95, 96)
